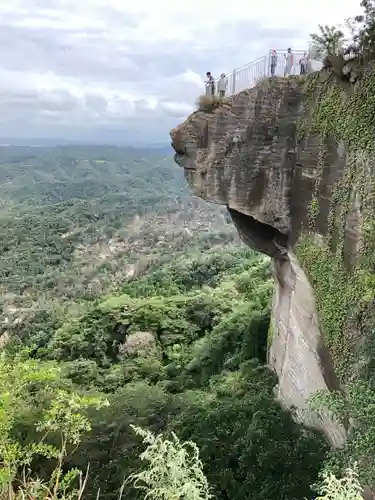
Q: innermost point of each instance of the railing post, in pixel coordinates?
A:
(234, 82)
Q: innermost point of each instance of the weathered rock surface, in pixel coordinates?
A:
(246, 155)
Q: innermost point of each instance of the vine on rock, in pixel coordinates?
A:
(344, 114)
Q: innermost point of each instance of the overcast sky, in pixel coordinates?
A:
(99, 69)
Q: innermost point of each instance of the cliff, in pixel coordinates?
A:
(292, 159)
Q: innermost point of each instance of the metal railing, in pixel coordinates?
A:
(248, 76)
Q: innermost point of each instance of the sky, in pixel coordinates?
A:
(129, 70)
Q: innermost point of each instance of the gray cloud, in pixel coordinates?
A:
(60, 77)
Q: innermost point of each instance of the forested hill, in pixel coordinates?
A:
(34, 176)
(75, 220)
(119, 288)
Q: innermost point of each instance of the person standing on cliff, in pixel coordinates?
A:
(289, 61)
(222, 85)
(210, 84)
(273, 62)
(303, 64)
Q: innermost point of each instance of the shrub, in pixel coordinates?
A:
(207, 103)
(346, 488)
(174, 471)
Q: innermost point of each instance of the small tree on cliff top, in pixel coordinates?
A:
(327, 41)
(358, 46)
(363, 40)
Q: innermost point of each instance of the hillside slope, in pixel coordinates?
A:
(76, 221)
(119, 286)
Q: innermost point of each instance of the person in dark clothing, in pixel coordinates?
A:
(273, 62)
(210, 84)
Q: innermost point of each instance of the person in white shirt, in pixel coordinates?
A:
(289, 62)
(222, 85)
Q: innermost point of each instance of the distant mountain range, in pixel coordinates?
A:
(37, 142)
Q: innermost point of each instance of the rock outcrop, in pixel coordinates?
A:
(300, 197)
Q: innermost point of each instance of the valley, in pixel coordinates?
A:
(117, 284)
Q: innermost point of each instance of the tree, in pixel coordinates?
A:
(250, 446)
(328, 41)
(31, 390)
(363, 41)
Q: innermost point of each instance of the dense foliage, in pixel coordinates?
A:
(75, 222)
(126, 306)
(176, 343)
(53, 199)
(182, 361)
(179, 360)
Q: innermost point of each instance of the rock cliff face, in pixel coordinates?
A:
(300, 197)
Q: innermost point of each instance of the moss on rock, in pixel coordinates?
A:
(346, 116)
(341, 297)
(343, 112)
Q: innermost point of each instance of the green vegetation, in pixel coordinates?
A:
(345, 488)
(178, 346)
(63, 196)
(339, 296)
(355, 404)
(134, 327)
(335, 114)
(181, 361)
(327, 41)
(175, 470)
(73, 229)
(342, 112)
(34, 397)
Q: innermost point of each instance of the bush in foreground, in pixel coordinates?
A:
(174, 469)
(346, 488)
